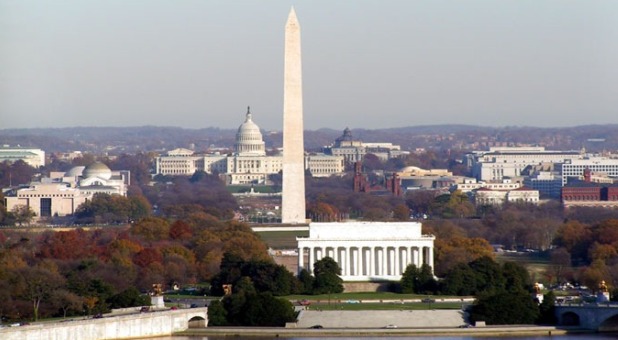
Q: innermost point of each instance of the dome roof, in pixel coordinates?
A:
(97, 169)
(249, 138)
(75, 171)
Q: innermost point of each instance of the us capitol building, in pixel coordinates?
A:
(248, 164)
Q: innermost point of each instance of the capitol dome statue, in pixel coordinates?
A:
(97, 169)
(249, 139)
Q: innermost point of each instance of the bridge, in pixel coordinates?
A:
(602, 317)
(135, 325)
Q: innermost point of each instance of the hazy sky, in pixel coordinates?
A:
(366, 64)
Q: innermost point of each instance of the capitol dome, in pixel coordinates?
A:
(97, 169)
(249, 138)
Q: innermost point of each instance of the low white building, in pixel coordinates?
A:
(32, 156)
(500, 162)
(486, 196)
(355, 150)
(574, 168)
(367, 251)
(61, 194)
(321, 165)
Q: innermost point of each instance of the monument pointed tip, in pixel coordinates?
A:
(292, 15)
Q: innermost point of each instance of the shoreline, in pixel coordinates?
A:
(376, 332)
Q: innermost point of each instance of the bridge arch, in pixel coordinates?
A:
(570, 319)
(197, 322)
(609, 325)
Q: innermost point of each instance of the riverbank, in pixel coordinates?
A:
(377, 332)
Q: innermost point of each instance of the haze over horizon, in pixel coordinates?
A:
(366, 64)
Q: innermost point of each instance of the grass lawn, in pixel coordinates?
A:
(367, 296)
(536, 264)
(384, 306)
(282, 239)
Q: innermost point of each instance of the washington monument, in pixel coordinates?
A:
(293, 195)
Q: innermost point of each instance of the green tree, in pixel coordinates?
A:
(129, 297)
(547, 309)
(516, 277)
(488, 274)
(306, 282)
(326, 272)
(139, 207)
(427, 284)
(505, 308)
(461, 280)
(217, 315)
(409, 279)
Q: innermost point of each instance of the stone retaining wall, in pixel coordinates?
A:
(137, 325)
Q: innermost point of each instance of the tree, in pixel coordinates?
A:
(326, 272)
(217, 315)
(560, 261)
(460, 280)
(401, 213)
(489, 276)
(409, 279)
(547, 309)
(139, 207)
(37, 284)
(426, 284)
(265, 310)
(454, 205)
(306, 282)
(67, 301)
(130, 297)
(505, 308)
(180, 230)
(322, 212)
(151, 228)
(22, 214)
(420, 201)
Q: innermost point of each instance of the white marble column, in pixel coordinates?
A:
(337, 256)
(301, 260)
(397, 254)
(311, 259)
(372, 261)
(385, 262)
(380, 256)
(341, 259)
(329, 253)
(346, 256)
(430, 262)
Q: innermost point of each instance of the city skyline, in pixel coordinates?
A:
(367, 64)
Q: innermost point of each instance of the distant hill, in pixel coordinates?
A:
(117, 140)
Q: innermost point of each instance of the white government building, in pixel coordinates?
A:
(366, 251)
(248, 164)
(63, 192)
(353, 150)
(32, 156)
(501, 162)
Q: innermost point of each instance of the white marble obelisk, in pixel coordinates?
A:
(293, 195)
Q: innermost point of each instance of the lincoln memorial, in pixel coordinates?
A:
(366, 251)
